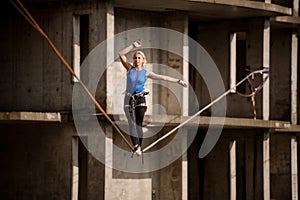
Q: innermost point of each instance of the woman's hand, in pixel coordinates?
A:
(137, 44)
(182, 83)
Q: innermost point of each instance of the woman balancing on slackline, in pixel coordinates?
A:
(134, 101)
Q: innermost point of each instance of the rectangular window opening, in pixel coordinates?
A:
(80, 42)
(79, 167)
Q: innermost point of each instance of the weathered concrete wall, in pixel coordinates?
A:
(95, 179)
(177, 22)
(120, 184)
(288, 3)
(280, 96)
(36, 161)
(116, 73)
(166, 183)
(136, 19)
(280, 167)
(215, 38)
(209, 176)
(36, 158)
(32, 76)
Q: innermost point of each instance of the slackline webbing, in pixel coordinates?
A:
(31, 20)
(203, 109)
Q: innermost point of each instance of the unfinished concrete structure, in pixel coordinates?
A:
(41, 154)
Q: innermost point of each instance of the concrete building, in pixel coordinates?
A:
(55, 144)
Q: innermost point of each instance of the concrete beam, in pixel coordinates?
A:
(289, 21)
(205, 122)
(30, 116)
(241, 8)
(173, 120)
(251, 4)
(291, 129)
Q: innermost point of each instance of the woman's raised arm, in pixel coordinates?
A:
(122, 54)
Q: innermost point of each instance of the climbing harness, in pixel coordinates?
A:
(23, 11)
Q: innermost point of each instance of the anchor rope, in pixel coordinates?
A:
(203, 109)
(23, 11)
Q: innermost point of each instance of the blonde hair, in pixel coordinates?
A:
(142, 54)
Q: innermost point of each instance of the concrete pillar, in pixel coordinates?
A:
(108, 161)
(296, 8)
(75, 168)
(266, 166)
(184, 170)
(76, 46)
(266, 63)
(185, 108)
(185, 69)
(110, 23)
(232, 162)
(294, 168)
(233, 37)
(294, 160)
(266, 112)
(294, 66)
(110, 31)
(119, 184)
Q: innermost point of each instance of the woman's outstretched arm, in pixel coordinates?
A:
(154, 76)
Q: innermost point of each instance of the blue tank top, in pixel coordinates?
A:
(135, 80)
